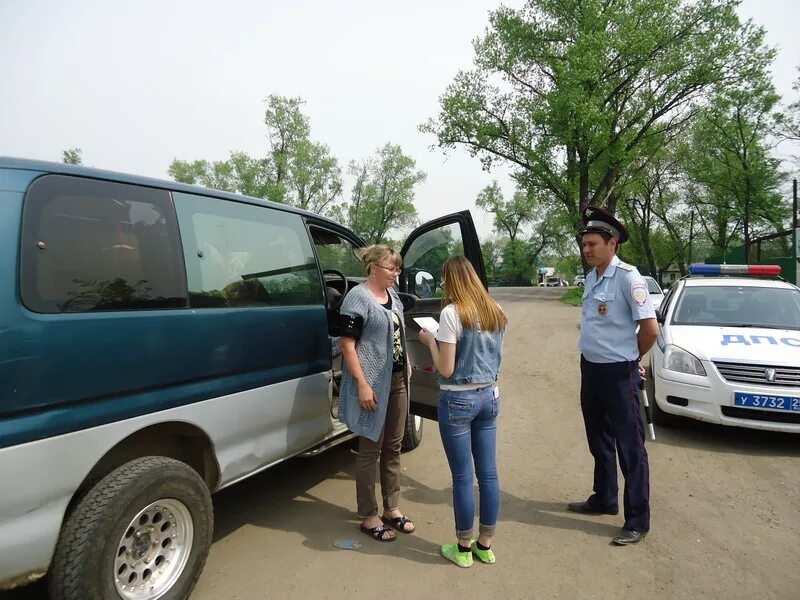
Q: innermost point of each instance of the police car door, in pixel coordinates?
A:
(424, 253)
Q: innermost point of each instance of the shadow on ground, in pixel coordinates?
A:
(689, 433)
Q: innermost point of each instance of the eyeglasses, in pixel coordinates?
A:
(394, 270)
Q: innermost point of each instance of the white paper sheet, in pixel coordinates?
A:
(428, 323)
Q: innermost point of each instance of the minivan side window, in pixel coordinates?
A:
(240, 255)
(91, 245)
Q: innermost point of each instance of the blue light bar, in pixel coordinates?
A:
(752, 270)
(705, 269)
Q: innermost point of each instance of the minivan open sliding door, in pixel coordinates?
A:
(424, 253)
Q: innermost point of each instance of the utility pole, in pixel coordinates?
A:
(796, 224)
(794, 212)
(691, 235)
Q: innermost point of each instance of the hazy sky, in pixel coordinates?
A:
(136, 84)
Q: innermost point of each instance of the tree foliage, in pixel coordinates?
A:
(573, 94)
(788, 122)
(382, 197)
(525, 213)
(295, 169)
(735, 179)
(72, 156)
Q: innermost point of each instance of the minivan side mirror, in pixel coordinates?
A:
(424, 284)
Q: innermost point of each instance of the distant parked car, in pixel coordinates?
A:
(553, 281)
(656, 293)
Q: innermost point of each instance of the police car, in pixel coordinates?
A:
(729, 349)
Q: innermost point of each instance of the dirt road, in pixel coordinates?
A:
(725, 506)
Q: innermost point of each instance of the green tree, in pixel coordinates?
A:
(735, 176)
(72, 156)
(788, 122)
(573, 93)
(646, 207)
(569, 266)
(295, 170)
(491, 250)
(509, 215)
(383, 194)
(511, 218)
(517, 262)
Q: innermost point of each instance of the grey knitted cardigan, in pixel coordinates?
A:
(374, 351)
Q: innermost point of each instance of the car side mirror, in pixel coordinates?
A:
(424, 284)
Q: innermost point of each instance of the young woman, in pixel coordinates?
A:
(373, 398)
(467, 357)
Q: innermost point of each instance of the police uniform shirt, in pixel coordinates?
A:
(612, 306)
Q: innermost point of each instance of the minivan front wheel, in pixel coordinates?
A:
(413, 435)
(142, 533)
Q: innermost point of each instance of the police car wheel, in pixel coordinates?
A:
(664, 419)
(413, 435)
(142, 532)
(660, 418)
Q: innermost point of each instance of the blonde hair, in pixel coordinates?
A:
(376, 254)
(474, 305)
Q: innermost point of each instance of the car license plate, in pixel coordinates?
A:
(764, 401)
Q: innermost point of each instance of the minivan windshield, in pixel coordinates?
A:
(739, 306)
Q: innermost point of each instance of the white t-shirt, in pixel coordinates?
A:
(451, 331)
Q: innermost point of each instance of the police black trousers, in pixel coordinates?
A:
(610, 406)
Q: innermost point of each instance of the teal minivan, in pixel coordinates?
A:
(159, 342)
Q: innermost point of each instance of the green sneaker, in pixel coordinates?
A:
(451, 553)
(485, 556)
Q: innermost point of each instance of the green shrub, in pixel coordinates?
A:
(573, 296)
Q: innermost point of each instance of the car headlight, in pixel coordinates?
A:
(679, 360)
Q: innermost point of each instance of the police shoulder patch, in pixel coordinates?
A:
(625, 266)
(639, 293)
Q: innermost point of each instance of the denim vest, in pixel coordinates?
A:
(478, 356)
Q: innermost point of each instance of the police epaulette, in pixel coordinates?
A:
(625, 266)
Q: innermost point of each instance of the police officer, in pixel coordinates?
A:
(615, 302)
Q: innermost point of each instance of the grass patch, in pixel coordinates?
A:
(573, 297)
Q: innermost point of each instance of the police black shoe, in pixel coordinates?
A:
(585, 508)
(626, 537)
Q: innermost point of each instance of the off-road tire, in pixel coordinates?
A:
(83, 563)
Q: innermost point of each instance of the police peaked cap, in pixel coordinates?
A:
(597, 220)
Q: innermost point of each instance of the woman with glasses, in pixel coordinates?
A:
(467, 356)
(373, 398)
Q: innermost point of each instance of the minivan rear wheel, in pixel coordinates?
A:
(141, 533)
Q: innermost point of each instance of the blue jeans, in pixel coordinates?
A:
(468, 425)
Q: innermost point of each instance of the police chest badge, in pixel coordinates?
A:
(639, 293)
(602, 308)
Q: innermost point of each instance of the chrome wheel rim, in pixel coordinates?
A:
(153, 550)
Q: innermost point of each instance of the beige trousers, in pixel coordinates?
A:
(387, 449)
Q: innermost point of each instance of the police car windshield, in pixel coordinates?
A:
(775, 308)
